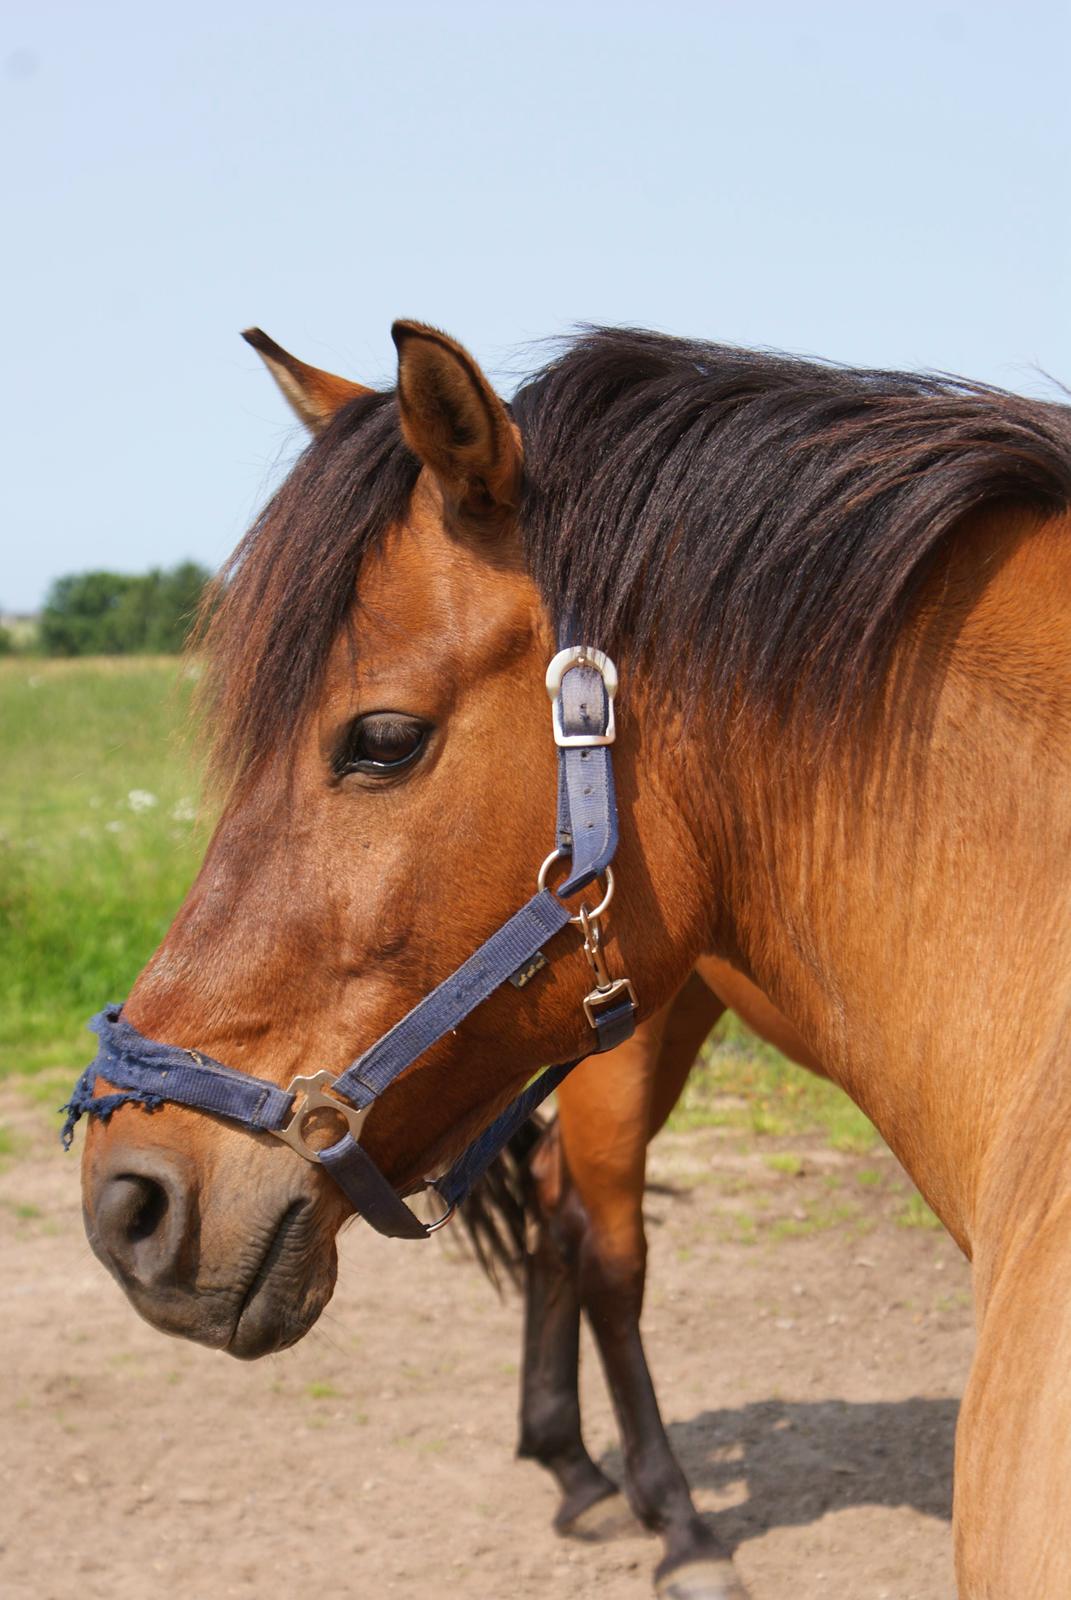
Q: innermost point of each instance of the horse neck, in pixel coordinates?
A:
(903, 898)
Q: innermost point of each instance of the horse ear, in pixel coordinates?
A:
(314, 395)
(453, 420)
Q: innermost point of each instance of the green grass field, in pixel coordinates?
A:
(98, 843)
(741, 1082)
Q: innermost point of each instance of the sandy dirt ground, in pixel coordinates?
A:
(808, 1348)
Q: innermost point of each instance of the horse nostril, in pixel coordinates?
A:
(140, 1204)
(139, 1222)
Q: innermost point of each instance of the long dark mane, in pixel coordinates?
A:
(741, 521)
(758, 524)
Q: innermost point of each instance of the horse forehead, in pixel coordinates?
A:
(429, 587)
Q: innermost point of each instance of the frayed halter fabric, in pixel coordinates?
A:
(581, 682)
(84, 1103)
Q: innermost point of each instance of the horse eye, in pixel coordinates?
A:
(381, 744)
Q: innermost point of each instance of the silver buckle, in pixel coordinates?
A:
(606, 996)
(309, 1095)
(581, 655)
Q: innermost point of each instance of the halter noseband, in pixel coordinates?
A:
(581, 682)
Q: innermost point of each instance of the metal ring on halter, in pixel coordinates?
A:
(451, 1207)
(593, 916)
(310, 1094)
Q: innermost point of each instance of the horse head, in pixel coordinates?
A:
(375, 667)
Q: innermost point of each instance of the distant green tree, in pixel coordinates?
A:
(7, 643)
(178, 595)
(79, 614)
(111, 613)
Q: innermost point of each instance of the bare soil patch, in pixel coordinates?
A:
(809, 1349)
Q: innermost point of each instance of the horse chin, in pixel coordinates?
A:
(275, 1313)
(263, 1328)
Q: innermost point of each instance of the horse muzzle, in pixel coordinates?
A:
(250, 1281)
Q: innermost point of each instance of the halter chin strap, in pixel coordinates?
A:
(581, 683)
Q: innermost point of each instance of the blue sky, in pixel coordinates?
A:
(886, 185)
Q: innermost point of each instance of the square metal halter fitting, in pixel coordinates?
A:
(581, 655)
(310, 1095)
(611, 995)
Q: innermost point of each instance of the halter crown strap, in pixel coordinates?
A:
(581, 682)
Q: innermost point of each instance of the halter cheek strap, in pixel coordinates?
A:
(581, 682)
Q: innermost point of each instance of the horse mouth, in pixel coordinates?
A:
(280, 1303)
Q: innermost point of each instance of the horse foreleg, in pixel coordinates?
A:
(609, 1109)
(1012, 1501)
(550, 1430)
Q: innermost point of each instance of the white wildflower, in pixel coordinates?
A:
(185, 811)
(140, 800)
(113, 827)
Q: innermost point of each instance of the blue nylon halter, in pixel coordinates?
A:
(581, 682)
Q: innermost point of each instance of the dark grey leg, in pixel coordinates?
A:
(550, 1404)
(694, 1565)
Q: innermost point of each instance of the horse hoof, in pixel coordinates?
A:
(609, 1518)
(701, 1580)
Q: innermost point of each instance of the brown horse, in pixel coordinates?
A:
(839, 601)
(569, 1210)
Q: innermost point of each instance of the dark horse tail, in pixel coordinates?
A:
(497, 1210)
